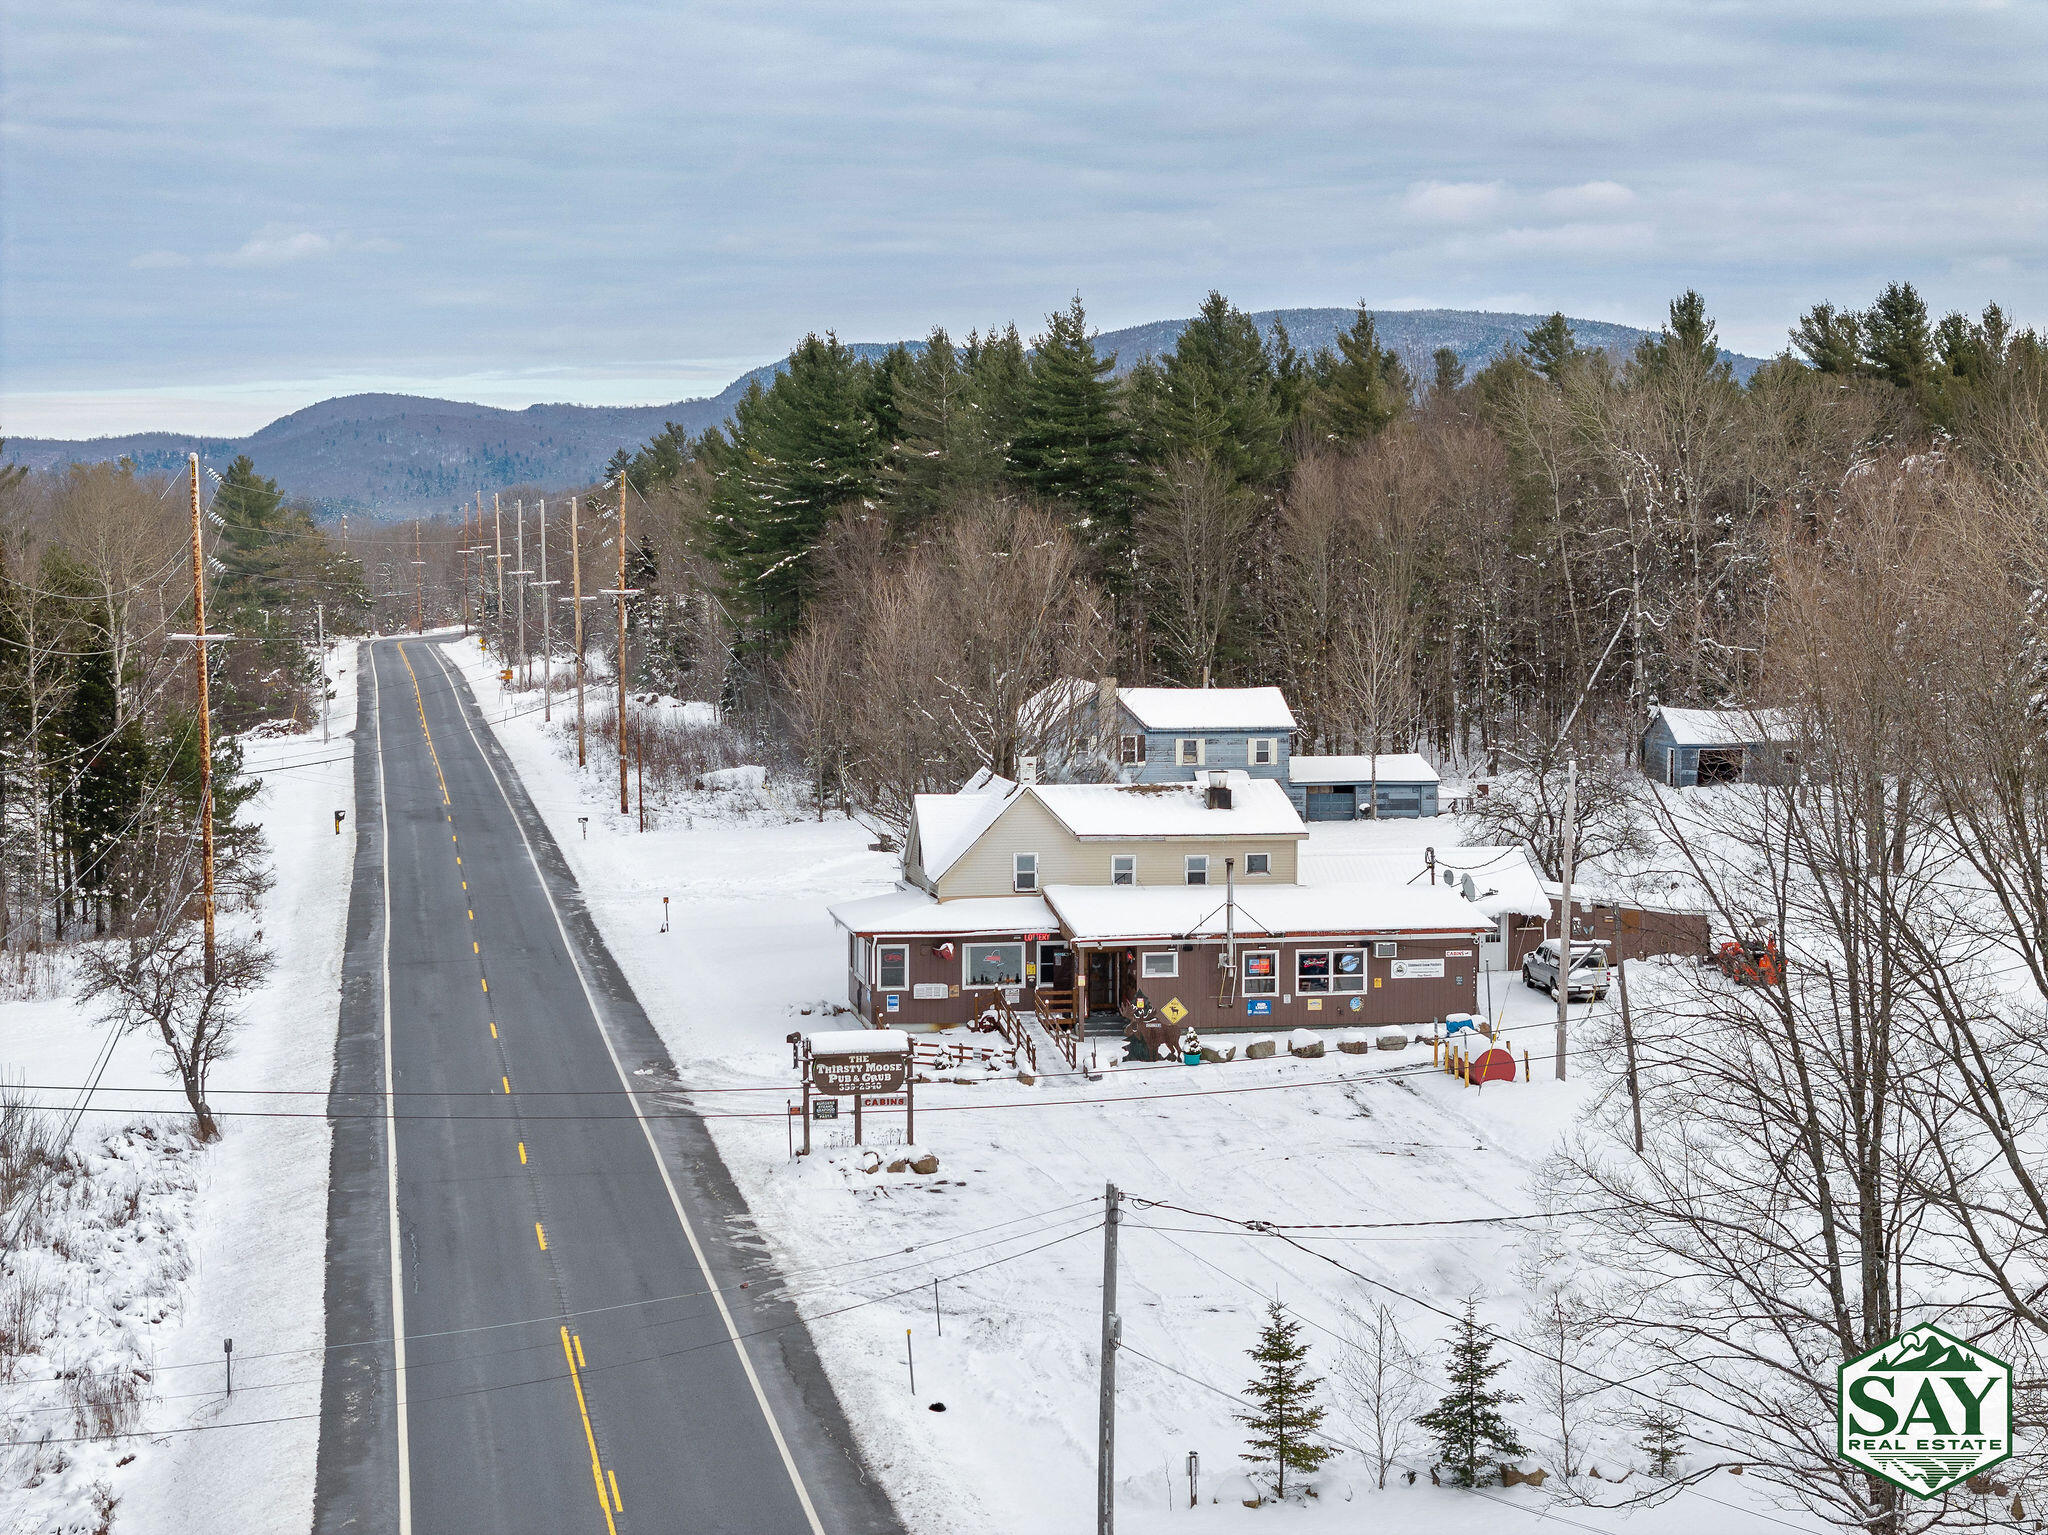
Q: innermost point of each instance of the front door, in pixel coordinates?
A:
(1103, 991)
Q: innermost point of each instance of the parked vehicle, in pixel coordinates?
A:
(1589, 969)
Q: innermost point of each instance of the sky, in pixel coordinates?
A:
(214, 213)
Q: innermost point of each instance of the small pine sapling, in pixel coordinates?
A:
(1285, 1415)
(1467, 1422)
(1663, 1439)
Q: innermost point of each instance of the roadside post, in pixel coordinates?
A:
(227, 1354)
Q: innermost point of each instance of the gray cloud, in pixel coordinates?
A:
(245, 193)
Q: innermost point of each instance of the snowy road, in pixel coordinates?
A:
(577, 1351)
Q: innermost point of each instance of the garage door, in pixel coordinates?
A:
(1329, 802)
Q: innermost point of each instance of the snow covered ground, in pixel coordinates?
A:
(1009, 1228)
(167, 1248)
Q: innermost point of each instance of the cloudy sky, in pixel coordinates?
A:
(211, 213)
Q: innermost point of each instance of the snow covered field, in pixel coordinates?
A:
(1009, 1228)
(170, 1247)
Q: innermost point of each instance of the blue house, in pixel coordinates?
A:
(1342, 788)
(1170, 735)
(1690, 748)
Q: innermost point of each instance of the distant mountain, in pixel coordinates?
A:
(393, 455)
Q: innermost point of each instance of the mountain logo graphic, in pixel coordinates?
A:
(1925, 1411)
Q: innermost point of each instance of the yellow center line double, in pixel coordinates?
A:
(569, 1352)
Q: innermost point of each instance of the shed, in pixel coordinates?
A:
(1342, 788)
(1691, 748)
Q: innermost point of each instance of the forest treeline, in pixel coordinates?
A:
(902, 548)
(99, 741)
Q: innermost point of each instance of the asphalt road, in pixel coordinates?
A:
(577, 1351)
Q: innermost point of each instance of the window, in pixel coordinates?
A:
(1258, 863)
(1187, 751)
(1262, 973)
(1198, 868)
(1262, 753)
(892, 966)
(1131, 750)
(1025, 875)
(1317, 971)
(994, 964)
(1159, 964)
(857, 954)
(1052, 959)
(1123, 868)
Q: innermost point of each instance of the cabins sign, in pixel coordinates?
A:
(872, 1072)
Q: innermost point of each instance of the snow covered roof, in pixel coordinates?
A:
(947, 825)
(1726, 727)
(859, 1042)
(1259, 807)
(1504, 879)
(1394, 767)
(1123, 913)
(914, 912)
(1208, 708)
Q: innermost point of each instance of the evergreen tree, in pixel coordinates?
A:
(1213, 399)
(803, 450)
(1663, 1439)
(1898, 343)
(998, 369)
(1450, 372)
(105, 763)
(1830, 339)
(1286, 1415)
(1687, 342)
(1551, 347)
(1361, 388)
(1072, 446)
(1292, 379)
(886, 380)
(1467, 1422)
(939, 455)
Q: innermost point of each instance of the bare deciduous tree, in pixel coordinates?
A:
(1380, 1385)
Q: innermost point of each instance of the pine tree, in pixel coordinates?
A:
(1550, 346)
(998, 369)
(1286, 1414)
(1361, 388)
(1687, 342)
(1663, 1438)
(1898, 344)
(1072, 446)
(1213, 399)
(938, 457)
(1830, 339)
(1467, 1422)
(802, 450)
(1449, 376)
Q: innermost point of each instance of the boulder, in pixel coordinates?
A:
(1215, 1057)
(927, 1164)
(1510, 1477)
(1393, 1039)
(1260, 1050)
(900, 1165)
(1355, 1046)
(1305, 1045)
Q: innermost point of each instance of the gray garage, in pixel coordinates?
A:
(1343, 788)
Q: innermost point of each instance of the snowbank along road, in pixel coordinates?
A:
(523, 1202)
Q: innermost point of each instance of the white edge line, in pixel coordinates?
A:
(391, 1124)
(646, 1129)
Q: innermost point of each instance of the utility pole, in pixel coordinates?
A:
(419, 583)
(547, 631)
(1112, 1335)
(1564, 909)
(520, 574)
(576, 607)
(1628, 1043)
(464, 550)
(320, 639)
(498, 533)
(620, 594)
(205, 726)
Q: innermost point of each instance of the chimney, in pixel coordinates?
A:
(1027, 769)
(1106, 724)
(1219, 791)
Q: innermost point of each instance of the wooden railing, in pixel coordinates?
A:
(1011, 1027)
(1057, 1015)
